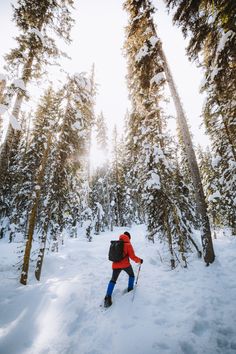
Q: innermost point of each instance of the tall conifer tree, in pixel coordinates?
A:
(211, 30)
(34, 49)
(152, 146)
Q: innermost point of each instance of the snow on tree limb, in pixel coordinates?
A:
(14, 122)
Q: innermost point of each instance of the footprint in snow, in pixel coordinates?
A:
(187, 348)
(200, 327)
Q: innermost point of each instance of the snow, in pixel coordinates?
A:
(3, 108)
(3, 77)
(158, 78)
(39, 34)
(143, 51)
(14, 122)
(20, 84)
(213, 197)
(225, 37)
(82, 81)
(154, 181)
(215, 161)
(153, 40)
(223, 40)
(184, 311)
(77, 125)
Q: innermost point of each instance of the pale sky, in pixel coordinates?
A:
(98, 37)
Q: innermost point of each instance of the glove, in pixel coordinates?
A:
(141, 260)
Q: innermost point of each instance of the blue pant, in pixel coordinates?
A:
(115, 275)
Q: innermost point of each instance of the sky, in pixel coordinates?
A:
(98, 37)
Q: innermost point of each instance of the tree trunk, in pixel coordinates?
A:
(2, 88)
(33, 214)
(208, 250)
(39, 263)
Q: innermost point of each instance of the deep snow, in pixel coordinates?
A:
(186, 311)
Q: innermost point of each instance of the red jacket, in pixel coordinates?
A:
(128, 252)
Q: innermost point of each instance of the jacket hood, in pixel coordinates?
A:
(124, 238)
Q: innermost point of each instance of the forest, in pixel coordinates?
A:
(182, 196)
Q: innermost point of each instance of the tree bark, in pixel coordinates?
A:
(2, 88)
(33, 214)
(39, 263)
(207, 244)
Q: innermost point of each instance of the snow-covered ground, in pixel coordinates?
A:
(186, 311)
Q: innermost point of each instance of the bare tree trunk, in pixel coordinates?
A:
(208, 250)
(39, 263)
(33, 214)
(172, 259)
(2, 88)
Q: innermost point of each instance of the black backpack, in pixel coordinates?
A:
(116, 251)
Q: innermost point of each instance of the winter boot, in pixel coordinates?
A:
(130, 284)
(107, 301)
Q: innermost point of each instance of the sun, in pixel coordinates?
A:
(97, 157)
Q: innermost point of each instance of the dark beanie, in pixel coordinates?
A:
(127, 234)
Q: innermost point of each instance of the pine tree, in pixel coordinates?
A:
(130, 210)
(116, 188)
(61, 145)
(211, 30)
(2, 106)
(184, 131)
(100, 196)
(134, 209)
(102, 138)
(32, 193)
(153, 167)
(211, 186)
(35, 48)
(71, 152)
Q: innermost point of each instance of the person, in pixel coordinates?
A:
(125, 265)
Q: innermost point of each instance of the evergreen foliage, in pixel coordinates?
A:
(167, 212)
(211, 30)
(35, 47)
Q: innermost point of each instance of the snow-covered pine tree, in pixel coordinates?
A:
(129, 203)
(100, 197)
(11, 222)
(119, 192)
(98, 201)
(189, 152)
(101, 134)
(135, 212)
(45, 122)
(34, 210)
(32, 191)
(91, 117)
(211, 182)
(3, 82)
(35, 47)
(71, 153)
(154, 165)
(56, 200)
(211, 29)
(125, 186)
(115, 183)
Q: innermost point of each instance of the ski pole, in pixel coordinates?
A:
(136, 282)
